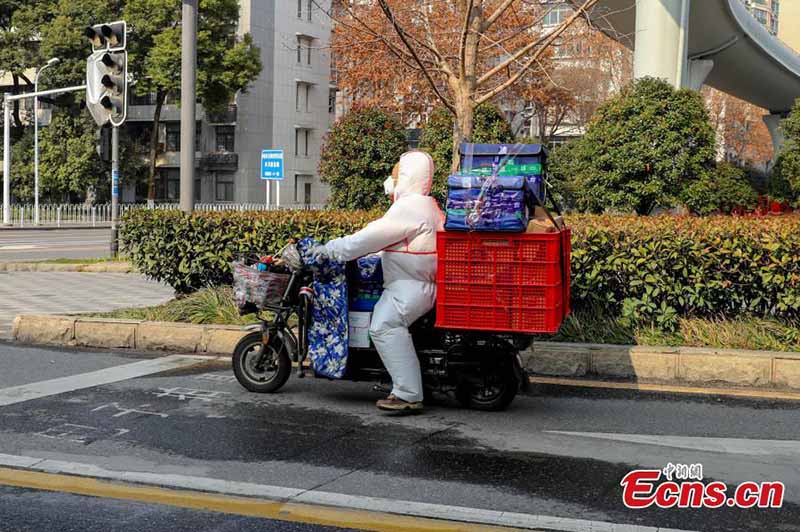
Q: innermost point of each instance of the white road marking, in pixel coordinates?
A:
(340, 500)
(18, 247)
(715, 445)
(182, 394)
(122, 411)
(79, 433)
(37, 390)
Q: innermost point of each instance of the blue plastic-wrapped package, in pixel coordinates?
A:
(487, 203)
(528, 160)
(365, 283)
(328, 331)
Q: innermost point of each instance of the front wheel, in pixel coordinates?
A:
(260, 368)
(493, 390)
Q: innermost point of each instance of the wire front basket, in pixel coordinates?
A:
(261, 289)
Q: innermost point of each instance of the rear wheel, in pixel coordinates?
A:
(492, 390)
(260, 368)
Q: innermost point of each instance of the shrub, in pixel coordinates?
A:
(720, 190)
(359, 154)
(640, 151)
(656, 270)
(192, 252)
(645, 270)
(785, 185)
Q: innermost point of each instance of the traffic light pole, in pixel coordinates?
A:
(114, 191)
(188, 102)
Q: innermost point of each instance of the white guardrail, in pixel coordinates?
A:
(93, 215)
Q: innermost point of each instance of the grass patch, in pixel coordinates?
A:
(593, 327)
(204, 307)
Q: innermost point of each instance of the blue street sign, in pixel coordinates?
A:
(115, 183)
(272, 164)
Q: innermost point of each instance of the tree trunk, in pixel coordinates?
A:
(463, 125)
(154, 148)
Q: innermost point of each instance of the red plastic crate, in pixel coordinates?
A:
(503, 282)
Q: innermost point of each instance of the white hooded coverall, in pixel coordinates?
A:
(406, 238)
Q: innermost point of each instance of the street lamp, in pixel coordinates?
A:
(50, 63)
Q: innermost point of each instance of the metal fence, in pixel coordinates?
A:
(99, 215)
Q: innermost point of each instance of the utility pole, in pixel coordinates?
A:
(7, 159)
(51, 62)
(188, 102)
(114, 190)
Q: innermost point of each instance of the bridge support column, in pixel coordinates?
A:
(699, 69)
(662, 40)
(773, 122)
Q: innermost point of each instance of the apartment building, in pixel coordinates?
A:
(288, 107)
(767, 12)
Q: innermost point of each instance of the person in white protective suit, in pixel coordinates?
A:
(406, 238)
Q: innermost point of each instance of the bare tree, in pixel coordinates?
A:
(466, 52)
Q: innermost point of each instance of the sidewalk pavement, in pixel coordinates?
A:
(70, 292)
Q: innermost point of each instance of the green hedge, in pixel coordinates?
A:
(648, 270)
(654, 270)
(190, 252)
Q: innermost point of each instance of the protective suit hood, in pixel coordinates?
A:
(415, 174)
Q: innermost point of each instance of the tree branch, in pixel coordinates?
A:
(464, 32)
(552, 36)
(496, 15)
(402, 34)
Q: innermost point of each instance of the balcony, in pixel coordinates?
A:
(220, 161)
(226, 117)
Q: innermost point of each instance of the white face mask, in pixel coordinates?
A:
(388, 186)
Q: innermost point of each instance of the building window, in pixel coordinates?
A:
(301, 140)
(303, 44)
(198, 136)
(302, 95)
(299, 8)
(198, 191)
(307, 194)
(224, 188)
(173, 184)
(226, 139)
(310, 6)
(556, 15)
(173, 142)
(332, 101)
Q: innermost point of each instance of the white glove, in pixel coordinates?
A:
(318, 254)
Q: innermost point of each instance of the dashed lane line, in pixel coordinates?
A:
(38, 390)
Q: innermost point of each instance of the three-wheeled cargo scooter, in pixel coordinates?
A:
(494, 291)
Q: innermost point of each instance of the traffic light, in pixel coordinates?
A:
(107, 73)
(111, 37)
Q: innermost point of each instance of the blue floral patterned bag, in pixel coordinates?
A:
(328, 331)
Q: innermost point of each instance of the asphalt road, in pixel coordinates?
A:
(33, 245)
(555, 453)
(25, 510)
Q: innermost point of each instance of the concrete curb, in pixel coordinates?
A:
(675, 365)
(683, 365)
(126, 334)
(97, 267)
